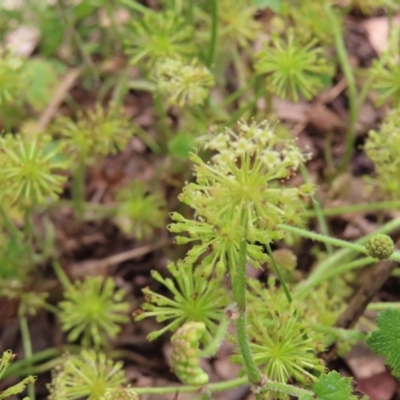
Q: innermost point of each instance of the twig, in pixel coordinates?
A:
(374, 280)
(62, 89)
(98, 267)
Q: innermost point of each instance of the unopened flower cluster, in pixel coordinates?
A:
(183, 83)
(384, 157)
(88, 375)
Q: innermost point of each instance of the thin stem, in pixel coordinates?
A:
(322, 238)
(214, 31)
(352, 89)
(238, 281)
(134, 5)
(354, 208)
(212, 387)
(336, 242)
(78, 188)
(163, 116)
(318, 211)
(213, 347)
(278, 272)
(26, 367)
(81, 46)
(61, 275)
(343, 254)
(222, 386)
(14, 232)
(303, 290)
(381, 306)
(27, 346)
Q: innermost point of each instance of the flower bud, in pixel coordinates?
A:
(380, 246)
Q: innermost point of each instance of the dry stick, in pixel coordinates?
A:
(98, 267)
(59, 96)
(374, 280)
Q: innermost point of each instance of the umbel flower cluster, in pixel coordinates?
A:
(238, 191)
(241, 182)
(183, 83)
(384, 157)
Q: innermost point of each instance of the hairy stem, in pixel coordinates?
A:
(222, 386)
(344, 254)
(354, 208)
(61, 275)
(278, 272)
(352, 89)
(212, 348)
(239, 296)
(318, 211)
(322, 238)
(78, 188)
(27, 346)
(214, 29)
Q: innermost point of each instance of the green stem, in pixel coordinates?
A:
(352, 89)
(318, 211)
(68, 22)
(353, 208)
(134, 5)
(322, 238)
(78, 188)
(212, 348)
(61, 275)
(381, 306)
(238, 281)
(343, 254)
(278, 272)
(27, 346)
(163, 116)
(335, 242)
(213, 36)
(212, 387)
(303, 290)
(396, 272)
(222, 386)
(10, 226)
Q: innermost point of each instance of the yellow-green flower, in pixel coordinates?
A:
(159, 35)
(93, 309)
(32, 169)
(292, 68)
(88, 375)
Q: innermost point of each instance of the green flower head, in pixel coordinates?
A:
(243, 178)
(97, 133)
(194, 299)
(386, 80)
(13, 78)
(31, 169)
(183, 83)
(220, 243)
(93, 310)
(386, 158)
(89, 375)
(293, 68)
(284, 346)
(237, 22)
(159, 35)
(6, 359)
(139, 212)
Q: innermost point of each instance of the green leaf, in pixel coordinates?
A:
(43, 79)
(333, 387)
(274, 5)
(181, 145)
(385, 341)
